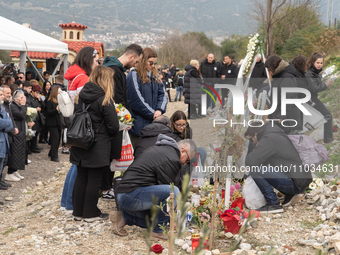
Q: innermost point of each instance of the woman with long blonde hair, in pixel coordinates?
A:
(97, 95)
(146, 93)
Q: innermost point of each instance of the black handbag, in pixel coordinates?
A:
(80, 132)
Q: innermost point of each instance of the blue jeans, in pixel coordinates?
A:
(203, 154)
(179, 90)
(266, 177)
(66, 197)
(135, 206)
(210, 101)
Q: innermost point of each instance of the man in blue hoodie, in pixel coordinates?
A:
(147, 177)
(132, 56)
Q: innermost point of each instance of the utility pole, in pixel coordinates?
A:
(329, 16)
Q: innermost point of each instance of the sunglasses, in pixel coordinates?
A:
(95, 52)
(152, 63)
(20, 77)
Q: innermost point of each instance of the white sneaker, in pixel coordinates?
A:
(11, 178)
(16, 173)
(29, 161)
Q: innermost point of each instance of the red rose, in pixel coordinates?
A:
(157, 248)
(335, 128)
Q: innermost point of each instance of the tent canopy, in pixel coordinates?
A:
(19, 38)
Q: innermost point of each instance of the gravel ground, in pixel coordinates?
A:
(32, 222)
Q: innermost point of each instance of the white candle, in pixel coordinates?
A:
(228, 183)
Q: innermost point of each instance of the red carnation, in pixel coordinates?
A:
(157, 248)
(335, 128)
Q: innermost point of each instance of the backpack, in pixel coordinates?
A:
(80, 132)
(309, 151)
(65, 103)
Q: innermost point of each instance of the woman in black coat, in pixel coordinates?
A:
(17, 158)
(91, 163)
(53, 123)
(192, 94)
(284, 75)
(315, 85)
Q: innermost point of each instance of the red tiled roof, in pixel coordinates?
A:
(72, 45)
(73, 25)
(77, 46)
(31, 54)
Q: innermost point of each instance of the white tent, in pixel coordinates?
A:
(14, 36)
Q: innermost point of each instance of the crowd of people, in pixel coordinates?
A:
(136, 82)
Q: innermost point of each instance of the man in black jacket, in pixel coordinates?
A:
(173, 71)
(148, 176)
(228, 74)
(258, 76)
(132, 56)
(149, 134)
(209, 73)
(274, 161)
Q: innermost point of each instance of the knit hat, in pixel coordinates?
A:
(36, 87)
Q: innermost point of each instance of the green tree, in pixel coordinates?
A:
(236, 46)
(283, 32)
(5, 56)
(302, 42)
(116, 53)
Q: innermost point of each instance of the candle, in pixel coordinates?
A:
(195, 240)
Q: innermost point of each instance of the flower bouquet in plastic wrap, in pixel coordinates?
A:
(31, 115)
(124, 117)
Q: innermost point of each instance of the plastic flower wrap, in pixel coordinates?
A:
(124, 117)
(31, 114)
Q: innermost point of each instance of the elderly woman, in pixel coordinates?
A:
(17, 157)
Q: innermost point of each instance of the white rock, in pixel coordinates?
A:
(179, 242)
(335, 238)
(207, 253)
(230, 235)
(185, 246)
(323, 217)
(245, 246)
(268, 219)
(337, 247)
(39, 183)
(189, 250)
(215, 252)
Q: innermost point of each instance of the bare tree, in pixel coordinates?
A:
(267, 14)
(180, 49)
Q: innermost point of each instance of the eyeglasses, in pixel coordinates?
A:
(181, 125)
(152, 63)
(187, 155)
(20, 77)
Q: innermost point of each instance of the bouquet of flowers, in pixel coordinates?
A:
(254, 44)
(317, 183)
(124, 117)
(31, 114)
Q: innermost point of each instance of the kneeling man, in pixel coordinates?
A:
(150, 175)
(274, 162)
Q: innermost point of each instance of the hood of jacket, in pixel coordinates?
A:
(189, 67)
(113, 61)
(91, 92)
(284, 69)
(73, 71)
(154, 129)
(164, 140)
(268, 129)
